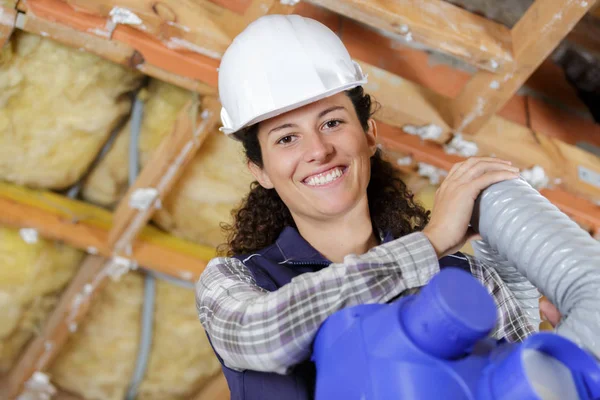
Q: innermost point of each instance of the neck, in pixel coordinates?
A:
(337, 237)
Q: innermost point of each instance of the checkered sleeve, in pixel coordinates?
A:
(513, 324)
(251, 328)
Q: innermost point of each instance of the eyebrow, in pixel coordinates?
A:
(321, 115)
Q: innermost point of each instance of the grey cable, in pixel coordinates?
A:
(147, 322)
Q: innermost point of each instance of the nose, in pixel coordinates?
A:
(318, 148)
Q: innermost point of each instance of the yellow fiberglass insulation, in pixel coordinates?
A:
(57, 108)
(32, 275)
(99, 359)
(213, 183)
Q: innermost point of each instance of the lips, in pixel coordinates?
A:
(325, 177)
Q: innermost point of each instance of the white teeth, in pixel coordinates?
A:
(324, 179)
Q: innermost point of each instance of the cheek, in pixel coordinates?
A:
(280, 167)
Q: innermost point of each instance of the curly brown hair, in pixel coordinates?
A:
(262, 215)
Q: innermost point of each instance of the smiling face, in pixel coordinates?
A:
(317, 158)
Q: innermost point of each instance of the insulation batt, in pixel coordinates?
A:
(57, 108)
(98, 361)
(212, 184)
(32, 276)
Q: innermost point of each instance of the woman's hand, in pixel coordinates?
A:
(448, 227)
(549, 312)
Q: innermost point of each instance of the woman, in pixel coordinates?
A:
(328, 223)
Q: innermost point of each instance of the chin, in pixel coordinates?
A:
(335, 208)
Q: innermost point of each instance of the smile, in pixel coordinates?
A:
(325, 177)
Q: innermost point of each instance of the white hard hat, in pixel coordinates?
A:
(279, 63)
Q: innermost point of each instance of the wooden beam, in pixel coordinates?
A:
(167, 163)
(8, 17)
(73, 305)
(178, 24)
(228, 15)
(538, 32)
(405, 103)
(149, 50)
(86, 227)
(393, 138)
(437, 24)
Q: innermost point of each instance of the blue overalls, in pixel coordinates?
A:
(272, 268)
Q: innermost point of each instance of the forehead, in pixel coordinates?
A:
(312, 109)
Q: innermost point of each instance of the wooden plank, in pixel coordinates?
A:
(226, 13)
(540, 30)
(393, 138)
(86, 227)
(178, 24)
(437, 24)
(114, 51)
(73, 305)
(216, 389)
(151, 51)
(8, 17)
(404, 103)
(162, 170)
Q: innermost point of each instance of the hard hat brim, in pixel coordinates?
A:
(236, 133)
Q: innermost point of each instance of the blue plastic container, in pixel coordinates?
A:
(434, 345)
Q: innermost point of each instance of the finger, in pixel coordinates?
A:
(476, 186)
(473, 162)
(484, 167)
(549, 312)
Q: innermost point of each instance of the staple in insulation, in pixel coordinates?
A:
(119, 266)
(142, 198)
(29, 235)
(187, 275)
(425, 132)
(536, 177)
(433, 173)
(290, 2)
(461, 147)
(120, 15)
(38, 387)
(92, 250)
(404, 160)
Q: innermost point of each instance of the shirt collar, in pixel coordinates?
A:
(294, 247)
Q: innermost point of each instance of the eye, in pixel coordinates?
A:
(286, 139)
(333, 123)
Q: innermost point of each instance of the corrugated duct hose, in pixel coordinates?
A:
(535, 245)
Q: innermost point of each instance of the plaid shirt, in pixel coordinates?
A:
(254, 329)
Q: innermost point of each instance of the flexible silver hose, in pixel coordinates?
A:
(526, 294)
(547, 248)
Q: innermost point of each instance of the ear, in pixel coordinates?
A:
(260, 175)
(372, 136)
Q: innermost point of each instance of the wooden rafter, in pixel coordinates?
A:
(85, 226)
(393, 138)
(162, 170)
(405, 103)
(73, 304)
(437, 24)
(536, 34)
(149, 50)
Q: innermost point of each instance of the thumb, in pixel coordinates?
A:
(549, 312)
